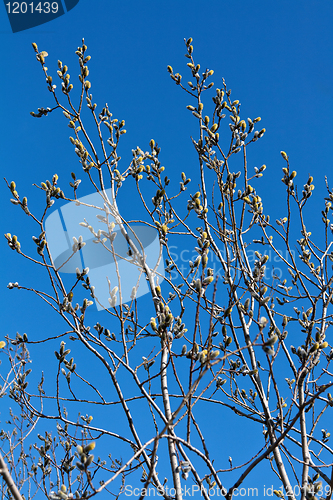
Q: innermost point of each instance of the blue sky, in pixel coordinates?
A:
(275, 56)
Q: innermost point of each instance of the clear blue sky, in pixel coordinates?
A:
(275, 56)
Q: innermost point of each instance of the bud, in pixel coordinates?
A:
(284, 155)
(271, 341)
(203, 356)
(268, 350)
(113, 301)
(169, 68)
(89, 447)
(197, 285)
(208, 280)
(220, 382)
(89, 460)
(197, 261)
(262, 323)
(315, 347)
